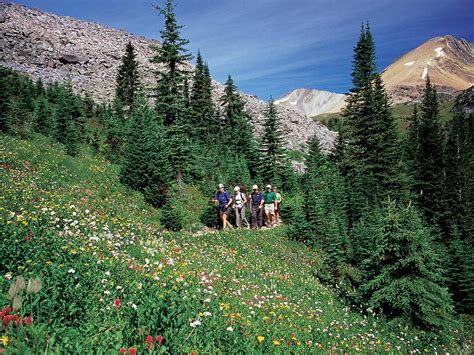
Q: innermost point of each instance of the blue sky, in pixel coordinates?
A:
(271, 47)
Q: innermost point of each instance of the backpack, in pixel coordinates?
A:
(240, 204)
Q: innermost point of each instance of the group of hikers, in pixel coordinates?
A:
(261, 203)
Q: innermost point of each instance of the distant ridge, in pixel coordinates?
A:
(310, 102)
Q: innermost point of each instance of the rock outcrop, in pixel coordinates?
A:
(58, 48)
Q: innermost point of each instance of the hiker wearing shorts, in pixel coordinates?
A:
(224, 199)
(256, 199)
(239, 200)
(269, 199)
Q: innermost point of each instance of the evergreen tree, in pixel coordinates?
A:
(128, 80)
(402, 275)
(459, 163)
(39, 88)
(172, 56)
(145, 161)
(6, 91)
(204, 115)
(272, 145)
(43, 116)
(66, 117)
(236, 121)
(428, 164)
(371, 161)
(324, 204)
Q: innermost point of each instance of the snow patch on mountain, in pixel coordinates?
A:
(409, 64)
(425, 73)
(439, 52)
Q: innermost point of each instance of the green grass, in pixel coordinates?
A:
(92, 242)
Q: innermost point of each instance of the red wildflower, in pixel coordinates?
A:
(192, 353)
(122, 351)
(159, 339)
(149, 339)
(7, 311)
(28, 320)
(132, 351)
(6, 320)
(117, 303)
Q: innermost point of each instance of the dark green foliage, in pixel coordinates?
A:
(459, 164)
(17, 94)
(363, 60)
(324, 205)
(114, 127)
(273, 152)
(171, 216)
(68, 118)
(402, 277)
(43, 117)
(145, 161)
(428, 161)
(172, 56)
(238, 129)
(5, 95)
(210, 216)
(128, 80)
(371, 157)
(39, 88)
(204, 112)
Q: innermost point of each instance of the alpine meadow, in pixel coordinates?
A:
(147, 208)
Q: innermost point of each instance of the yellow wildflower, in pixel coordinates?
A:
(276, 342)
(73, 251)
(260, 338)
(4, 340)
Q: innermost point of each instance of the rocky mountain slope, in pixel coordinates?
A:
(58, 48)
(448, 61)
(311, 103)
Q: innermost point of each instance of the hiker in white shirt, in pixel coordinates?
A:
(239, 201)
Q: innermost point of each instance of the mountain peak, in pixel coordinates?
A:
(449, 62)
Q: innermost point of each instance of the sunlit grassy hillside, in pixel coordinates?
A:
(112, 278)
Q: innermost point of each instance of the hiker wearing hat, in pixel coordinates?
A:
(256, 199)
(239, 200)
(269, 198)
(224, 200)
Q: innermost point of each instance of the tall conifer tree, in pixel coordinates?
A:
(273, 151)
(236, 121)
(428, 165)
(371, 155)
(128, 80)
(172, 56)
(43, 116)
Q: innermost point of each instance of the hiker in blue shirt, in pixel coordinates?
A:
(256, 199)
(224, 199)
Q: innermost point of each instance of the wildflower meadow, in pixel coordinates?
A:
(87, 267)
